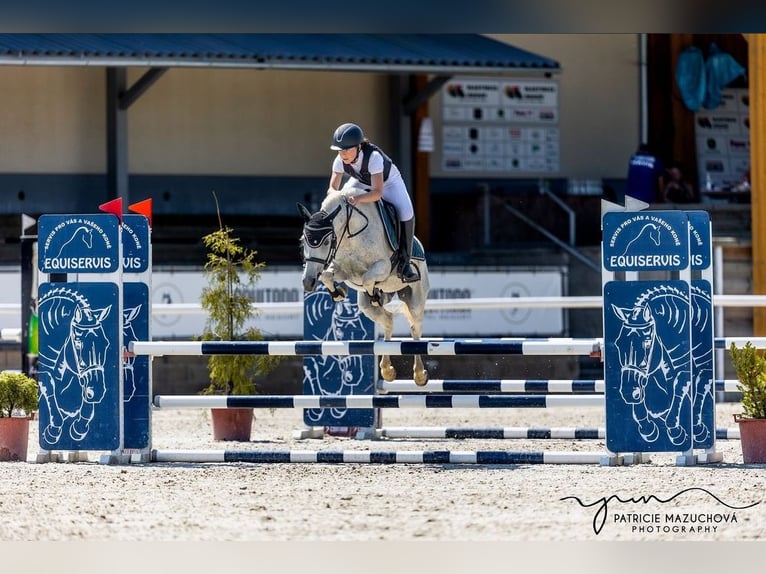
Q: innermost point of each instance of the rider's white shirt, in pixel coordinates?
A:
(394, 189)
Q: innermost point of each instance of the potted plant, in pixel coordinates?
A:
(231, 271)
(18, 393)
(750, 365)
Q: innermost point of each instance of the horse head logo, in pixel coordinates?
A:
(71, 366)
(655, 366)
(650, 231)
(82, 238)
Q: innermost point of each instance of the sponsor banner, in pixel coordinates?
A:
(646, 241)
(496, 322)
(494, 125)
(78, 244)
(723, 141)
(284, 286)
(135, 243)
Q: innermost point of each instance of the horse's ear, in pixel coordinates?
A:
(303, 211)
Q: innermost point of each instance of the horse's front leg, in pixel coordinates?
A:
(377, 273)
(93, 392)
(419, 373)
(414, 311)
(81, 425)
(386, 321)
(681, 391)
(329, 278)
(703, 393)
(52, 432)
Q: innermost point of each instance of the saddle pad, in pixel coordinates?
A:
(390, 221)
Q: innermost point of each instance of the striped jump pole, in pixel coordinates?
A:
(725, 342)
(382, 457)
(446, 347)
(568, 386)
(508, 346)
(374, 401)
(531, 433)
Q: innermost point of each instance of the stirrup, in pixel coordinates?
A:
(408, 273)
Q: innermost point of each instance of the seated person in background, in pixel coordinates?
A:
(677, 189)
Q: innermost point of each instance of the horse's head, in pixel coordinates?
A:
(636, 337)
(89, 344)
(318, 243)
(635, 345)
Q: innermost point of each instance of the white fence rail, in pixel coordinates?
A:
(479, 304)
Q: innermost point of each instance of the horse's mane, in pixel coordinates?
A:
(336, 196)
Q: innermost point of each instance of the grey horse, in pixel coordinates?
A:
(345, 244)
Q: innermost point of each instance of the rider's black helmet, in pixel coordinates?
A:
(347, 136)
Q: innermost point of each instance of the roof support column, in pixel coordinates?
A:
(421, 165)
(400, 127)
(116, 135)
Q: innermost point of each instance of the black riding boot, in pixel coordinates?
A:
(407, 272)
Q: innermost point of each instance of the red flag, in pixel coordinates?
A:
(143, 208)
(114, 207)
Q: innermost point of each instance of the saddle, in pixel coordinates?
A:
(392, 225)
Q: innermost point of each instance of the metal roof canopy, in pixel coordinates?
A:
(439, 55)
(388, 53)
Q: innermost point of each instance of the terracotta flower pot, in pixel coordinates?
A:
(232, 424)
(14, 438)
(752, 434)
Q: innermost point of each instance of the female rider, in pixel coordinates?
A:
(366, 162)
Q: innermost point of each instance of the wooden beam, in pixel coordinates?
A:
(757, 93)
(684, 144)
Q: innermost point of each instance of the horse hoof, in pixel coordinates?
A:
(388, 373)
(701, 433)
(421, 378)
(677, 435)
(77, 434)
(339, 295)
(51, 434)
(649, 431)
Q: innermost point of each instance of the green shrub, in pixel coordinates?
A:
(231, 271)
(17, 391)
(750, 365)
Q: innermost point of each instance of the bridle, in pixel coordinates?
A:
(320, 226)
